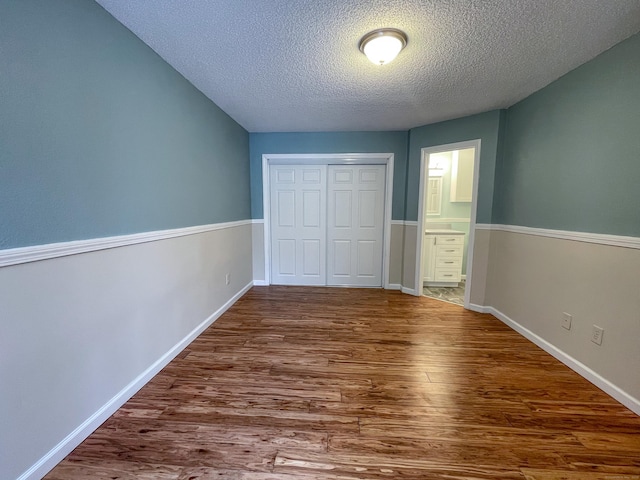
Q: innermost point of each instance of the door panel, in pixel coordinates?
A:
(342, 175)
(287, 257)
(286, 208)
(341, 259)
(366, 259)
(367, 209)
(312, 175)
(355, 220)
(311, 208)
(285, 175)
(311, 256)
(342, 216)
(298, 196)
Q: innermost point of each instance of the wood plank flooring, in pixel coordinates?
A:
(344, 384)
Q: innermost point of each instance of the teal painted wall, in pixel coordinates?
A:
(99, 136)
(330, 142)
(484, 126)
(571, 158)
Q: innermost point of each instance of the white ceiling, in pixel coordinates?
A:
(294, 65)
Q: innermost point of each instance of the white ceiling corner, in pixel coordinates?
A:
(294, 65)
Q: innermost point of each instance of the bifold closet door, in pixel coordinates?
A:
(298, 196)
(355, 221)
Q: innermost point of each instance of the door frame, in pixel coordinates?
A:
(328, 159)
(422, 196)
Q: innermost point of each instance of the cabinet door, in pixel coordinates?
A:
(447, 275)
(429, 258)
(448, 250)
(462, 166)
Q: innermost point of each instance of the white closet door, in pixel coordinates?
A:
(298, 224)
(355, 225)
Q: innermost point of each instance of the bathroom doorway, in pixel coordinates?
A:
(446, 221)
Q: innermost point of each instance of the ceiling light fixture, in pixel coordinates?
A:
(383, 45)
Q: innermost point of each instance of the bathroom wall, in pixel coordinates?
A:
(456, 214)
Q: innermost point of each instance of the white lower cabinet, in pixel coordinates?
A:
(442, 256)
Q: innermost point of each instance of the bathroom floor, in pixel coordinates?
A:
(446, 294)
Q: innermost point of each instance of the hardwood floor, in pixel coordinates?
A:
(328, 383)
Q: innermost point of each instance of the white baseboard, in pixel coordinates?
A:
(581, 369)
(62, 449)
(409, 291)
(264, 283)
(479, 308)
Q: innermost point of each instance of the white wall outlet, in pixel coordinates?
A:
(566, 320)
(227, 279)
(596, 335)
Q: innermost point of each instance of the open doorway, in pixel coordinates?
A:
(446, 221)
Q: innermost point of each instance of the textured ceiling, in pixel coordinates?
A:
(294, 65)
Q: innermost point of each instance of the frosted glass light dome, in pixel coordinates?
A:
(382, 46)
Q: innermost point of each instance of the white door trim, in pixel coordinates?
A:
(424, 158)
(328, 159)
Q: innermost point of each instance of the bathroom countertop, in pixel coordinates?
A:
(442, 231)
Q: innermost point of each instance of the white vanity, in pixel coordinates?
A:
(443, 253)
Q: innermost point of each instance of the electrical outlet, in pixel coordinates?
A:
(227, 279)
(596, 335)
(566, 320)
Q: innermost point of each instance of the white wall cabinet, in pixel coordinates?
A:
(442, 256)
(462, 166)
